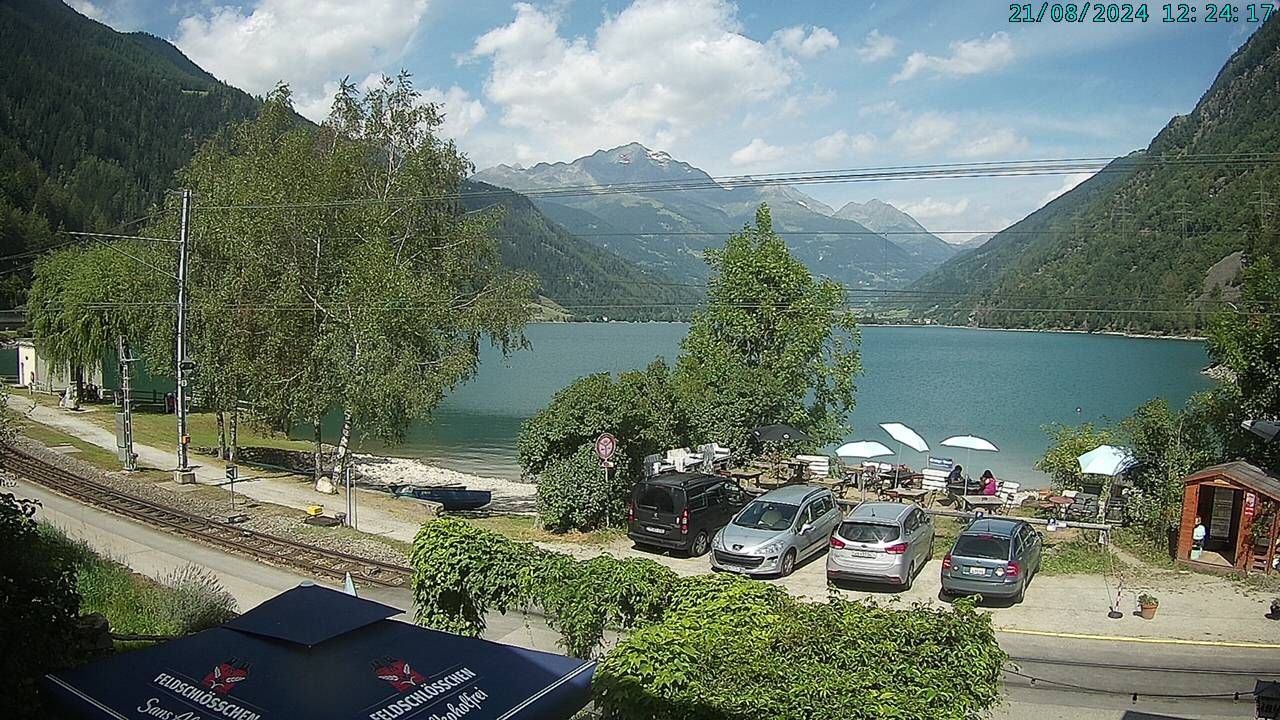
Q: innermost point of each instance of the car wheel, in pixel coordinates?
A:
(911, 578)
(788, 563)
(1022, 593)
(699, 547)
(929, 556)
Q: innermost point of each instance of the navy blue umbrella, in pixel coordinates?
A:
(317, 653)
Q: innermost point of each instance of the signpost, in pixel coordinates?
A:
(232, 472)
(606, 445)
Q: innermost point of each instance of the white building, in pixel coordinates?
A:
(34, 372)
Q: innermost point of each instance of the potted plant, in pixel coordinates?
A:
(1147, 605)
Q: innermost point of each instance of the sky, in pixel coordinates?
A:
(734, 87)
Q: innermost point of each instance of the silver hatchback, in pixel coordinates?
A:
(881, 542)
(776, 531)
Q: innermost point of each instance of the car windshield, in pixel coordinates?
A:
(986, 547)
(865, 532)
(765, 515)
(657, 498)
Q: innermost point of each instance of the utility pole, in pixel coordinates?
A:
(184, 365)
(126, 408)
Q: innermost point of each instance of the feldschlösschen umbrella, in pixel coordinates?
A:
(1105, 460)
(317, 653)
(779, 433)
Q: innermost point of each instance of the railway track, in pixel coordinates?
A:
(228, 536)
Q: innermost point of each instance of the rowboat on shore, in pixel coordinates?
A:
(451, 497)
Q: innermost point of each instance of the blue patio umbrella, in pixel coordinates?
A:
(317, 653)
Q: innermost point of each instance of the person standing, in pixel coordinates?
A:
(1198, 535)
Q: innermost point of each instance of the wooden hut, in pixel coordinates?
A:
(1237, 503)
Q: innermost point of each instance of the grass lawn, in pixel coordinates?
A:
(521, 527)
(134, 604)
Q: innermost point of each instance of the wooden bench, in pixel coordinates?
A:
(983, 502)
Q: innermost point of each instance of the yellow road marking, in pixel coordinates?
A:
(1150, 641)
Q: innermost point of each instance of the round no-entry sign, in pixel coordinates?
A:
(605, 445)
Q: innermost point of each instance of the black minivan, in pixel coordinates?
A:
(682, 511)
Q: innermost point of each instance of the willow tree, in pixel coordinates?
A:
(774, 345)
(349, 273)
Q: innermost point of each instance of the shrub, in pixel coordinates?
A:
(196, 601)
(574, 493)
(716, 646)
(38, 608)
(555, 446)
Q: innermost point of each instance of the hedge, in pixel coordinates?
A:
(715, 646)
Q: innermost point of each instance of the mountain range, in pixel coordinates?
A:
(94, 124)
(662, 214)
(1155, 240)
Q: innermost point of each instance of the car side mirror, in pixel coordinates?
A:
(806, 528)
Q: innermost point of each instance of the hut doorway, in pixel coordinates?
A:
(1219, 510)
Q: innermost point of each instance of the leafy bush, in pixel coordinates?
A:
(38, 608)
(716, 646)
(575, 494)
(1066, 444)
(743, 652)
(196, 601)
(555, 445)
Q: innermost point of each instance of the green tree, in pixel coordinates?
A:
(555, 446)
(1066, 444)
(1248, 344)
(774, 344)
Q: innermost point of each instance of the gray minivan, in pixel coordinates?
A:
(881, 542)
(993, 557)
(776, 531)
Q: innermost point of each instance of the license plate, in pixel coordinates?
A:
(656, 531)
(976, 571)
(861, 554)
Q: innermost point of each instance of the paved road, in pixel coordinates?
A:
(1120, 667)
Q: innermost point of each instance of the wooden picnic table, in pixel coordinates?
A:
(973, 502)
(907, 493)
(745, 473)
(1057, 504)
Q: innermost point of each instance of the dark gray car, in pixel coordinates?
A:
(993, 557)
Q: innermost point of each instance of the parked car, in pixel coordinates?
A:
(881, 542)
(681, 511)
(993, 557)
(776, 531)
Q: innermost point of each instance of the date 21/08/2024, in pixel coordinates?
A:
(1130, 12)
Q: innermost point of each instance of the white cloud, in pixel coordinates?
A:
(122, 15)
(757, 152)
(653, 73)
(812, 43)
(1068, 182)
(998, 143)
(87, 9)
(877, 47)
(461, 111)
(840, 144)
(925, 133)
(309, 44)
(886, 108)
(968, 57)
(928, 208)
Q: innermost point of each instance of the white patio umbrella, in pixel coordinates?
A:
(906, 437)
(970, 443)
(862, 449)
(1105, 460)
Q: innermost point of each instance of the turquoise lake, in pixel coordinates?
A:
(1003, 386)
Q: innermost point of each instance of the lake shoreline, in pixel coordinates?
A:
(1111, 333)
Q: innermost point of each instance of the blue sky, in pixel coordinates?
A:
(734, 88)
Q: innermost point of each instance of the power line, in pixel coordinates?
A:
(890, 173)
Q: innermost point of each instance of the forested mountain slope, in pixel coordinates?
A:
(1131, 248)
(94, 123)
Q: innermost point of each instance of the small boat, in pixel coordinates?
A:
(452, 497)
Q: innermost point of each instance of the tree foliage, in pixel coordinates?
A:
(774, 345)
(714, 646)
(1248, 344)
(38, 609)
(1066, 444)
(555, 446)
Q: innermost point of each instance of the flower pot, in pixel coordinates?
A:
(1148, 611)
